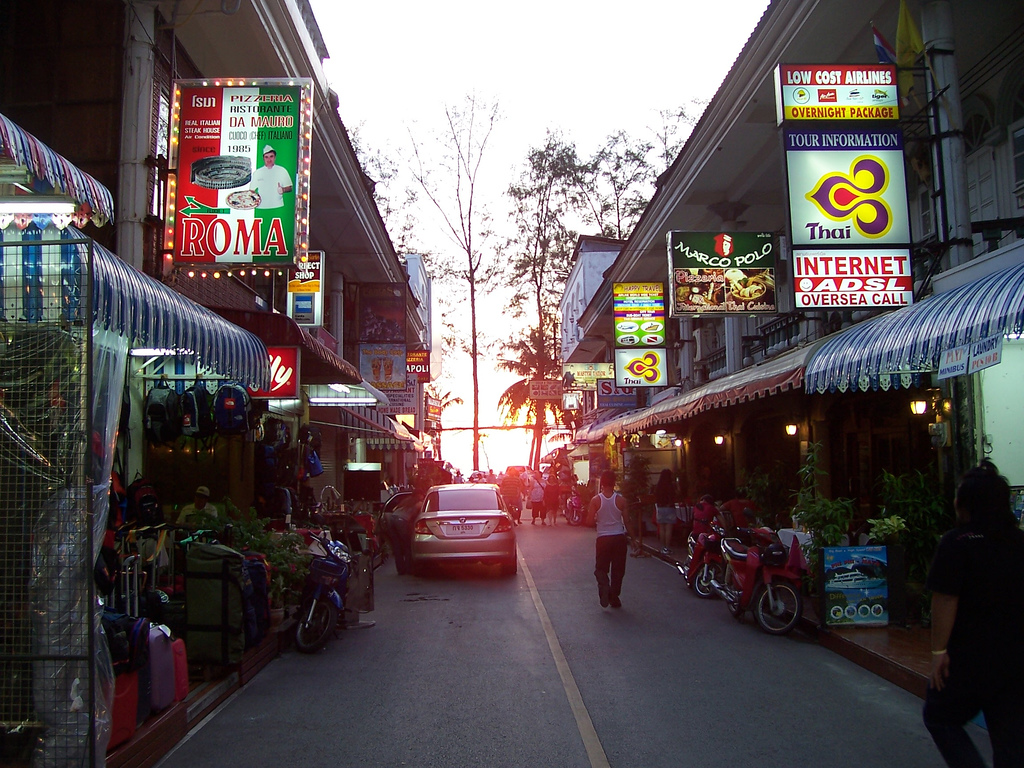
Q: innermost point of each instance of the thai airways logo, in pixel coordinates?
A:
(645, 367)
(856, 196)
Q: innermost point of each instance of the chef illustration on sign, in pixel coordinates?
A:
(271, 180)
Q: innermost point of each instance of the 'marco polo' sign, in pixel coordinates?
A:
(239, 160)
(847, 191)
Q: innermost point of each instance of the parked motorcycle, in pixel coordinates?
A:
(704, 562)
(323, 596)
(759, 578)
(574, 508)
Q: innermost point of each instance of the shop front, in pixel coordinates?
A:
(71, 315)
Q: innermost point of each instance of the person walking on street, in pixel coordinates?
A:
(512, 492)
(552, 493)
(607, 509)
(665, 509)
(977, 585)
(535, 490)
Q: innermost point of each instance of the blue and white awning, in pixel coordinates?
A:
(43, 278)
(893, 350)
(44, 164)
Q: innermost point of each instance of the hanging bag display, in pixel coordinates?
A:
(231, 409)
(197, 412)
(162, 414)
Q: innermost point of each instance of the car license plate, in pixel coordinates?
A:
(461, 529)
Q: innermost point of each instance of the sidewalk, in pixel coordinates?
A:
(901, 655)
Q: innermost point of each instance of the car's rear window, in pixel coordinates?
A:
(468, 499)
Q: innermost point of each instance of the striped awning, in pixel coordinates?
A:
(56, 171)
(893, 350)
(152, 315)
(42, 279)
(770, 377)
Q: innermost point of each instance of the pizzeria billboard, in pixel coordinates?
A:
(721, 272)
(239, 157)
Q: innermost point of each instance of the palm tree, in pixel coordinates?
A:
(528, 357)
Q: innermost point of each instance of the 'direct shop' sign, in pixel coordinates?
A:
(239, 159)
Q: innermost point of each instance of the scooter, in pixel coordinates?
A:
(759, 578)
(704, 562)
(323, 596)
(574, 508)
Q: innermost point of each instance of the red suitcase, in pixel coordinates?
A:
(180, 670)
(161, 667)
(125, 709)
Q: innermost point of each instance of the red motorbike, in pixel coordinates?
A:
(704, 562)
(760, 578)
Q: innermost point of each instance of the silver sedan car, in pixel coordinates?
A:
(464, 523)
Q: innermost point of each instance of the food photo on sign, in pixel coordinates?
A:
(722, 272)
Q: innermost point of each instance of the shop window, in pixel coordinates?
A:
(980, 167)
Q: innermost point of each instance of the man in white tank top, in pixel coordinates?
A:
(607, 508)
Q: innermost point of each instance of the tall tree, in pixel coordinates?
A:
(523, 358)
(617, 184)
(462, 146)
(540, 251)
(674, 129)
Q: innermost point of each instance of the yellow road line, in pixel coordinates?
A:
(591, 742)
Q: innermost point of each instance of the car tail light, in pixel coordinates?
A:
(504, 525)
(420, 528)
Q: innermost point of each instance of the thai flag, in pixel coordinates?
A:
(886, 53)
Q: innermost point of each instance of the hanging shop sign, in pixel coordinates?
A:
(584, 376)
(433, 409)
(971, 358)
(641, 368)
(571, 401)
(401, 402)
(239, 157)
(382, 312)
(847, 187)
(417, 361)
(611, 396)
(849, 219)
(383, 365)
(639, 314)
(836, 92)
(545, 389)
(305, 290)
(856, 586)
(848, 278)
(284, 375)
(721, 272)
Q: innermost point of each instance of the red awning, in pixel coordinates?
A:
(319, 364)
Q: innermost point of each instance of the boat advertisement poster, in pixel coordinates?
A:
(239, 162)
(856, 586)
(721, 272)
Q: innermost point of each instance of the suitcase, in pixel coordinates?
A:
(214, 583)
(180, 670)
(161, 667)
(128, 596)
(124, 712)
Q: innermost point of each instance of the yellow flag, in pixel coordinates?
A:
(909, 47)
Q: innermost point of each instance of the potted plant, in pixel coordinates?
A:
(887, 530)
(826, 520)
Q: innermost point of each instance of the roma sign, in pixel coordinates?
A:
(239, 159)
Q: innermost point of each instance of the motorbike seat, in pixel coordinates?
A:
(735, 549)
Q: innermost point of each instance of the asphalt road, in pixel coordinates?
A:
(468, 668)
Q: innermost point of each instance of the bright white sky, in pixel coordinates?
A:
(587, 69)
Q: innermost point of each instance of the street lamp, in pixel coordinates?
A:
(719, 439)
(917, 407)
(791, 429)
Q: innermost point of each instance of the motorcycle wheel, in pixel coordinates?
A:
(705, 575)
(777, 611)
(313, 631)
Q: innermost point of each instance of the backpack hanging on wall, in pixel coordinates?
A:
(197, 412)
(143, 504)
(162, 414)
(231, 409)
